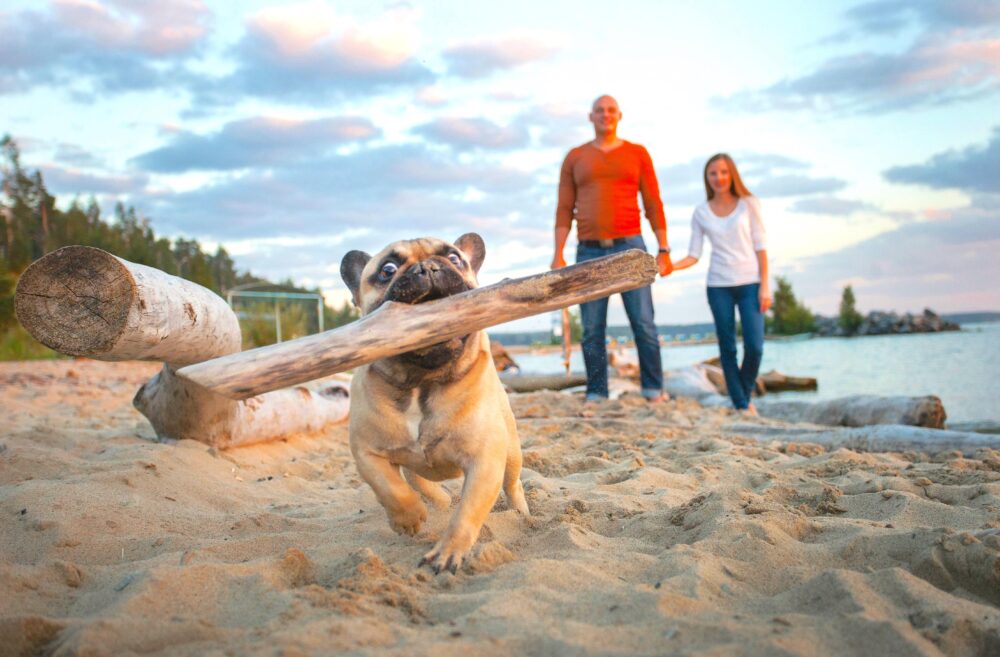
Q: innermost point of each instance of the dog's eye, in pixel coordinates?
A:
(387, 271)
(456, 260)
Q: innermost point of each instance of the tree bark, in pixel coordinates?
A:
(83, 301)
(398, 328)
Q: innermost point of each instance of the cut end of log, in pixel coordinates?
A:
(75, 300)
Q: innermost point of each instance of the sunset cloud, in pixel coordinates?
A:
(256, 142)
(481, 57)
(973, 169)
(473, 132)
(954, 57)
(113, 46)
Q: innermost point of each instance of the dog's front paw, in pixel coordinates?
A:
(408, 520)
(449, 553)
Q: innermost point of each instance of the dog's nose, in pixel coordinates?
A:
(432, 265)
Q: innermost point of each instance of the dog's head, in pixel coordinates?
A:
(415, 271)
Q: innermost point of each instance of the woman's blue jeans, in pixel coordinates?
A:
(594, 319)
(740, 379)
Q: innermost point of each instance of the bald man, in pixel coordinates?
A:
(598, 188)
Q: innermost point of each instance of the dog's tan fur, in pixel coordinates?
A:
(412, 426)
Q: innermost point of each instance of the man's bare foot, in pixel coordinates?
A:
(751, 410)
(662, 397)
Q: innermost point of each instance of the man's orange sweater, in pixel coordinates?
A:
(601, 187)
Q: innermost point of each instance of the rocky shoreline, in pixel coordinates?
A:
(878, 322)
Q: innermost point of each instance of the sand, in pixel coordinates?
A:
(655, 531)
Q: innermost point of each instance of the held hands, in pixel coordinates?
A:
(558, 261)
(765, 299)
(664, 264)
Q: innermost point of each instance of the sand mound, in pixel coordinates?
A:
(654, 531)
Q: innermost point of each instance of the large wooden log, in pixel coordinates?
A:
(535, 382)
(860, 411)
(398, 328)
(880, 438)
(83, 301)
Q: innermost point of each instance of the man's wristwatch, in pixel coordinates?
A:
(666, 250)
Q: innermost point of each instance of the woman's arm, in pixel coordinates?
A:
(685, 262)
(765, 287)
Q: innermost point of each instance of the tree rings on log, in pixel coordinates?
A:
(76, 300)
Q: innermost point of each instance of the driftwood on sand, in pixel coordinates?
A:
(773, 381)
(396, 328)
(880, 438)
(83, 301)
(859, 411)
(535, 382)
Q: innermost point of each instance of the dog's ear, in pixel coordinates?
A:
(472, 246)
(350, 270)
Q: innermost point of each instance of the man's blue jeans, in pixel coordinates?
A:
(740, 379)
(594, 318)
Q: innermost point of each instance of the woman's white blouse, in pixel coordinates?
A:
(735, 240)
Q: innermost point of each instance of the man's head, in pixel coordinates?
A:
(605, 115)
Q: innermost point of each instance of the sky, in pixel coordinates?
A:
(293, 133)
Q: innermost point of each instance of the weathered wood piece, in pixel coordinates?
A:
(775, 381)
(534, 382)
(859, 411)
(84, 301)
(397, 328)
(880, 438)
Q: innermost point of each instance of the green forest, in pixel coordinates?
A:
(33, 225)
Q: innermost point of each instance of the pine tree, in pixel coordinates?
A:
(850, 318)
(790, 316)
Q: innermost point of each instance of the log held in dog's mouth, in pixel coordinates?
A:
(397, 328)
(421, 287)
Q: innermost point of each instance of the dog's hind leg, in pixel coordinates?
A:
(479, 492)
(403, 506)
(432, 491)
(512, 489)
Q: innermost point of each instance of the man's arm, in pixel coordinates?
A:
(649, 189)
(564, 211)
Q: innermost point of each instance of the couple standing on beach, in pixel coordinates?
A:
(598, 187)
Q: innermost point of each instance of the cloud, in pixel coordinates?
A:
(795, 185)
(256, 142)
(946, 264)
(890, 16)
(478, 58)
(971, 169)
(71, 181)
(955, 57)
(401, 187)
(471, 132)
(829, 205)
(766, 174)
(309, 53)
(119, 45)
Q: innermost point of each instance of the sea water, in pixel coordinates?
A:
(960, 367)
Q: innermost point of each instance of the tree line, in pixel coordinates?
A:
(32, 225)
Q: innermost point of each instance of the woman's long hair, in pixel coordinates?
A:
(736, 186)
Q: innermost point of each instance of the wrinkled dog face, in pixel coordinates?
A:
(415, 271)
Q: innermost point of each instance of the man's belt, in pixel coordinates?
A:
(603, 244)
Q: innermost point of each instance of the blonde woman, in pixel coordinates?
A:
(737, 274)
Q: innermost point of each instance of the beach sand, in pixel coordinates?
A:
(654, 531)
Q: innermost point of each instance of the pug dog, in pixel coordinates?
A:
(435, 413)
